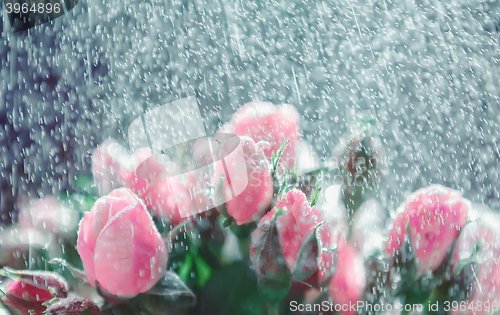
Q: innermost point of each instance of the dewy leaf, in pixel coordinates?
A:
(203, 271)
(171, 288)
(77, 273)
(277, 157)
(273, 275)
(84, 183)
(307, 257)
(187, 265)
(283, 188)
(227, 222)
(315, 197)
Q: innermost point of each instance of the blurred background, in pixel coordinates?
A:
(427, 71)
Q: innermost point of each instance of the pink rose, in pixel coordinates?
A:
(435, 215)
(26, 298)
(348, 283)
(108, 160)
(298, 221)
(120, 246)
(247, 185)
(262, 121)
(486, 274)
(28, 294)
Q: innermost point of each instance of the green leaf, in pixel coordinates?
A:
(283, 187)
(85, 184)
(228, 222)
(329, 250)
(315, 197)
(278, 155)
(80, 202)
(307, 257)
(203, 271)
(50, 302)
(186, 267)
(233, 290)
(77, 273)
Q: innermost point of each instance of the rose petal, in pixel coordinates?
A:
(130, 256)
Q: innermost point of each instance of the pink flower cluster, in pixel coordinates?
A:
(295, 246)
(121, 248)
(262, 126)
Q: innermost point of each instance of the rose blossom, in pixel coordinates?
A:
(262, 121)
(250, 201)
(434, 215)
(294, 226)
(26, 298)
(28, 294)
(120, 246)
(482, 241)
(348, 283)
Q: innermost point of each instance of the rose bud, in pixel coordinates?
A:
(292, 228)
(348, 283)
(477, 267)
(328, 236)
(28, 294)
(120, 246)
(360, 157)
(433, 216)
(107, 161)
(243, 179)
(262, 121)
(73, 305)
